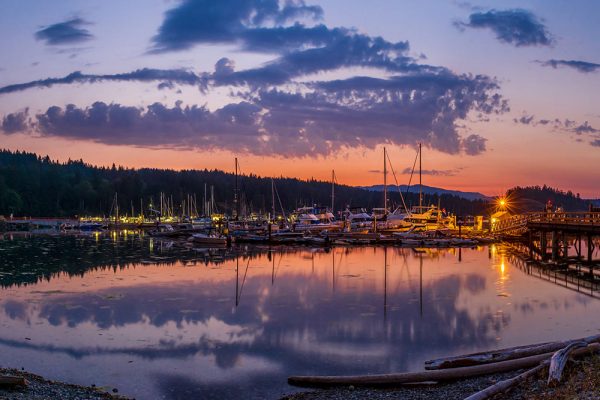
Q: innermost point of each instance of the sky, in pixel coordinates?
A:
(499, 93)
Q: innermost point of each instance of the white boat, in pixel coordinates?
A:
(395, 220)
(430, 218)
(305, 219)
(358, 219)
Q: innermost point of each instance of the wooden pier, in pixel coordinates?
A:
(550, 235)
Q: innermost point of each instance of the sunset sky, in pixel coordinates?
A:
(499, 93)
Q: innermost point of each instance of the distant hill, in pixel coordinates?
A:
(431, 190)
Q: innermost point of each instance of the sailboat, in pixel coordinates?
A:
(390, 220)
(428, 217)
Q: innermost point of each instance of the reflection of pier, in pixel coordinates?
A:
(571, 275)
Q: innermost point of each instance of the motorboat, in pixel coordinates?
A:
(430, 218)
(305, 219)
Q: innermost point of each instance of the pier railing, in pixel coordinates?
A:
(520, 223)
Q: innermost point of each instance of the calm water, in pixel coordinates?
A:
(158, 321)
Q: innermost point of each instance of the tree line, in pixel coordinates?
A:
(32, 185)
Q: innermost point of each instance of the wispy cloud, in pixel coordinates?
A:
(563, 125)
(517, 27)
(67, 32)
(180, 76)
(433, 172)
(580, 66)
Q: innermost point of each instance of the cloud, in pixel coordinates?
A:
(286, 109)
(595, 143)
(474, 145)
(556, 123)
(580, 66)
(432, 172)
(311, 123)
(517, 27)
(67, 32)
(15, 122)
(256, 26)
(179, 76)
(585, 128)
(225, 22)
(566, 126)
(525, 119)
(156, 125)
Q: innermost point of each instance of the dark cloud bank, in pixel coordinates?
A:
(517, 27)
(280, 109)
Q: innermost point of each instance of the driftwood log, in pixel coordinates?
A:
(559, 361)
(506, 384)
(426, 376)
(414, 377)
(511, 353)
(12, 381)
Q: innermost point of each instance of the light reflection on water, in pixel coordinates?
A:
(159, 321)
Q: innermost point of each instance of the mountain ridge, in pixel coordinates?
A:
(430, 190)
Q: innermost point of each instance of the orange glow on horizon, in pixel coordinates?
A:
(354, 167)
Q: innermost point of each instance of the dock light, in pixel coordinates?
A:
(502, 202)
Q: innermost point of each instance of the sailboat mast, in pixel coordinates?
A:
(116, 209)
(384, 181)
(420, 184)
(332, 189)
(272, 200)
(235, 192)
(212, 199)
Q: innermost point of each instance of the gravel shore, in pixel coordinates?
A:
(581, 381)
(39, 388)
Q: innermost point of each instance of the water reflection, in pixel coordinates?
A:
(193, 324)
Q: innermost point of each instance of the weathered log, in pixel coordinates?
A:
(438, 375)
(559, 361)
(413, 377)
(507, 384)
(12, 381)
(510, 353)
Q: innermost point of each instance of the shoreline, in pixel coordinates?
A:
(581, 381)
(39, 387)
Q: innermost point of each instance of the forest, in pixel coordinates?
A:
(33, 185)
